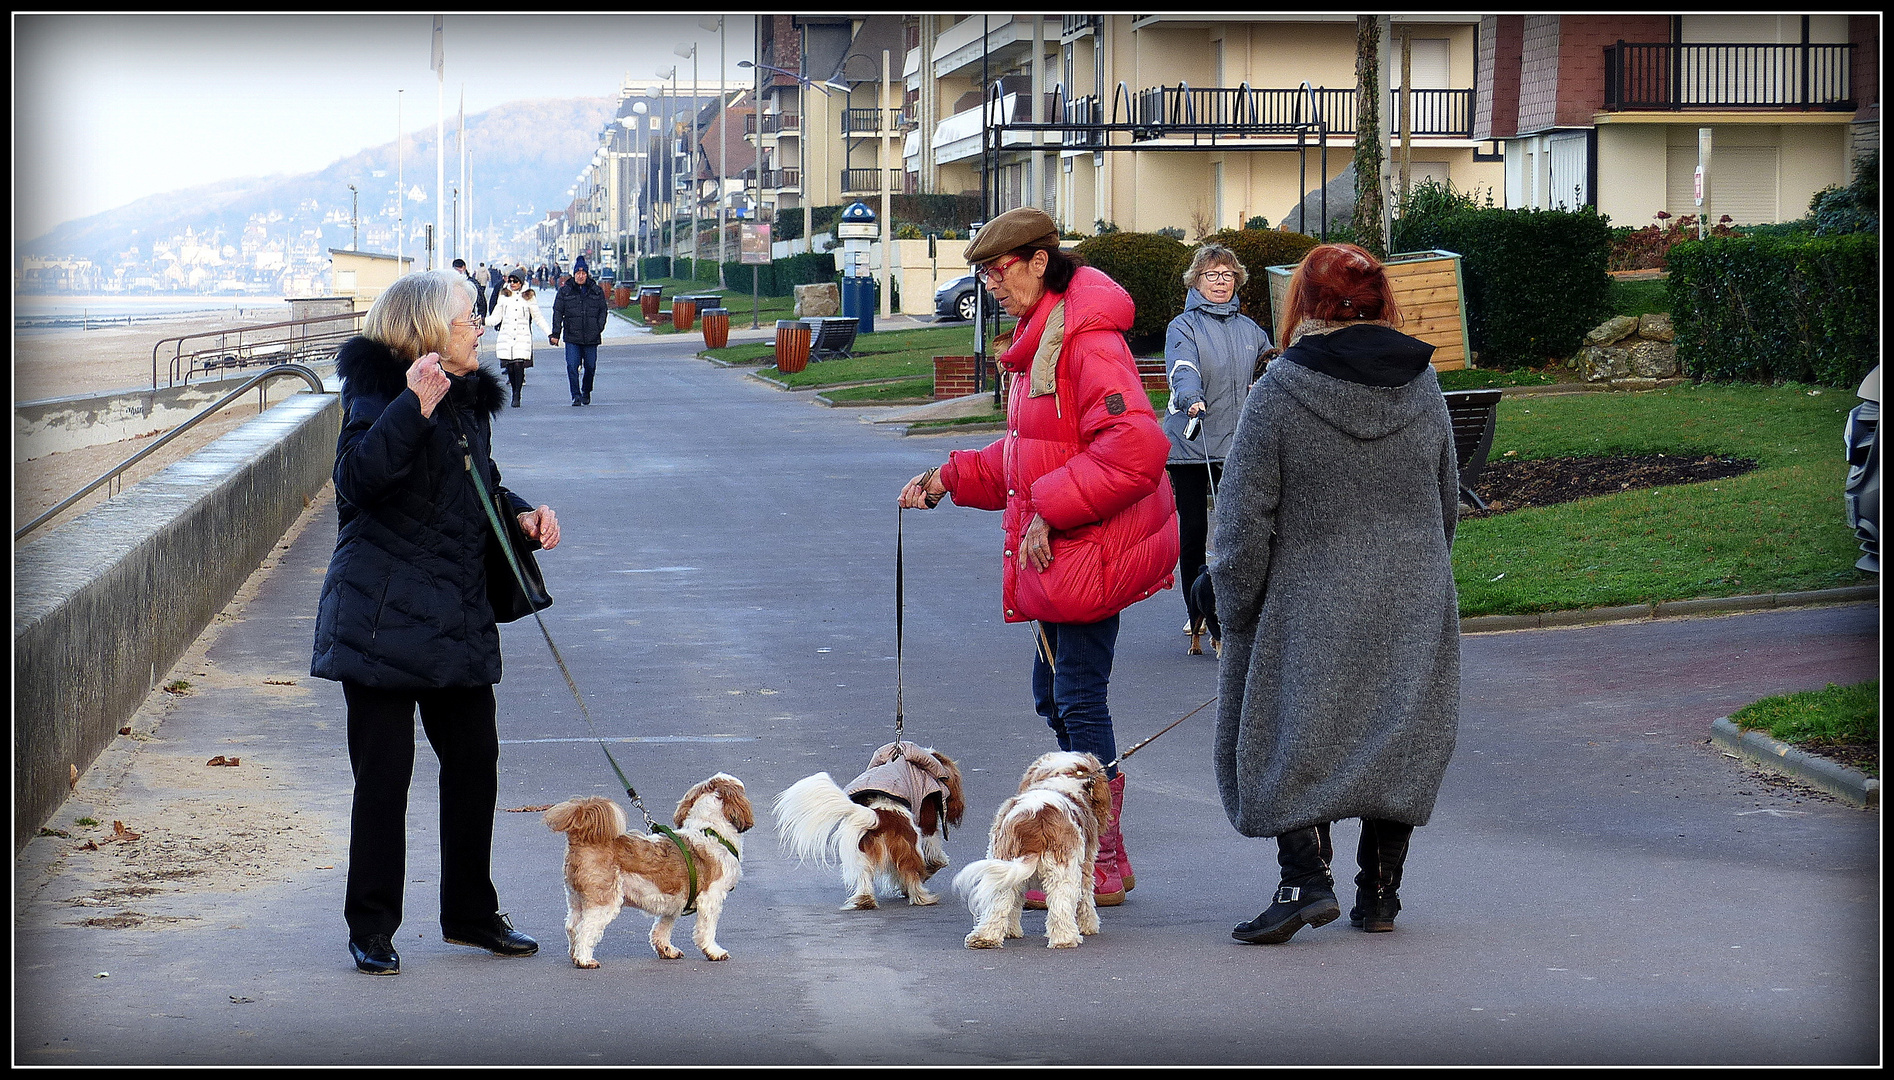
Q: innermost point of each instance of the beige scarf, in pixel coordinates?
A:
(1317, 327)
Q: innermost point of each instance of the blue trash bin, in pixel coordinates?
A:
(858, 302)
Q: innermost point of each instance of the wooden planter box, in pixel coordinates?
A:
(1429, 289)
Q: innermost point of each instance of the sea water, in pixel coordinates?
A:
(100, 312)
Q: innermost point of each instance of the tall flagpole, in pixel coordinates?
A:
(401, 189)
(440, 136)
(463, 217)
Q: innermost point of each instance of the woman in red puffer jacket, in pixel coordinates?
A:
(1091, 523)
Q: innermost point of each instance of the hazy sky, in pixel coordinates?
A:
(111, 108)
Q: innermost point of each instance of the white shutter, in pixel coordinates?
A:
(1743, 184)
(1567, 155)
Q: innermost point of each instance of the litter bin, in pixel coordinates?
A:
(649, 297)
(683, 312)
(858, 302)
(621, 296)
(716, 327)
(792, 345)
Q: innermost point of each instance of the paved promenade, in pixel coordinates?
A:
(1599, 885)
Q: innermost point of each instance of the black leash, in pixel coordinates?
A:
(499, 532)
(1174, 723)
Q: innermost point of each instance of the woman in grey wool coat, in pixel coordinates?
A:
(1340, 678)
(1210, 356)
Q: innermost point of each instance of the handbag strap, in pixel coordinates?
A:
(506, 545)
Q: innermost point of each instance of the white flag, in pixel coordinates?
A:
(440, 58)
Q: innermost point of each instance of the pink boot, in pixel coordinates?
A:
(1117, 816)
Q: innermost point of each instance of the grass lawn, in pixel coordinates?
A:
(1840, 714)
(884, 354)
(1639, 297)
(1779, 528)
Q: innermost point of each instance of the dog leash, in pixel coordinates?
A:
(1174, 723)
(651, 824)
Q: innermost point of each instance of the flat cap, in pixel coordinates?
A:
(1022, 226)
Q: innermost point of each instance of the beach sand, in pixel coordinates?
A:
(60, 363)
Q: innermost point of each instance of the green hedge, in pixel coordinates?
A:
(781, 277)
(1151, 268)
(1260, 249)
(1772, 309)
(1535, 279)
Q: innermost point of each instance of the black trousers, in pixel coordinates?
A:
(460, 726)
(1192, 485)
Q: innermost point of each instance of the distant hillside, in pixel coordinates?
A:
(524, 156)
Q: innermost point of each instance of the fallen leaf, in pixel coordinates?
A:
(120, 832)
(280, 682)
(222, 760)
(528, 809)
(87, 846)
(126, 730)
(235, 1000)
(72, 781)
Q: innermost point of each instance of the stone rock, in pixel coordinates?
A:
(1636, 384)
(1600, 363)
(814, 301)
(1341, 206)
(1656, 327)
(1654, 359)
(1612, 330)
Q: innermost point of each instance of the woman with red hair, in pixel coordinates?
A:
(1340, 678)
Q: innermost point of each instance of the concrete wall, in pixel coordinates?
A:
(55, 425)
(106, 603)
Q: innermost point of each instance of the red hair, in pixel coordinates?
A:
(1338, 283)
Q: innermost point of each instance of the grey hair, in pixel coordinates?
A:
(1209, 255)
(413, 316)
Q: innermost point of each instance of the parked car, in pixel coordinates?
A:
(955, 300)
(1861, 494)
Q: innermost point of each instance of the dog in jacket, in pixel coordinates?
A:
(886, 830)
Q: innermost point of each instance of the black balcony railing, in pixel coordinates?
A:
(773, 123)
(1672, 76)
(860, 180)
(782, 178)
(1172, 110)
(862, 121)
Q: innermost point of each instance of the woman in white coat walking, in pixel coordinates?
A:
(514, 319)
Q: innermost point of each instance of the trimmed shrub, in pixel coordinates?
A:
(1535, 279)
(1150, 268)
(1777, 308)
(1260, 249)
(1856, 208)
(780, 278)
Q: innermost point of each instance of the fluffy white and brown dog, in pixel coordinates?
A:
(1049, 831)
(607, 867)
(886, 830)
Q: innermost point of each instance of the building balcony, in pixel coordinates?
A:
(771, 123)
(778, 179)
(859, 181)
(861, 123)
(1669, 76)
(1170, 111)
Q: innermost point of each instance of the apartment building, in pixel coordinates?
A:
(1174, 121)
(1607, 110)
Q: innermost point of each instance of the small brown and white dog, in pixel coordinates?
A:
(1049, 830)
(887, 830)
(607, 867)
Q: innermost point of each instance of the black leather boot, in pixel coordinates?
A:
(1306, 896)
(1382, 854)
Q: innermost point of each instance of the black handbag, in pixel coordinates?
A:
(515, 587)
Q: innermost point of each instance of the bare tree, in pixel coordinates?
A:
(1370, 198)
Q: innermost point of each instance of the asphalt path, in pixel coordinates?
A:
(1599, 885)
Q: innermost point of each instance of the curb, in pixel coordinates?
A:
(1850, 785)
(1720, 605)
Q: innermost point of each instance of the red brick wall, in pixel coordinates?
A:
(953, 376)
(1865, 32)
(1581, 72)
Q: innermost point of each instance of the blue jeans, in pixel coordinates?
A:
(1073, 699)
(575, 355)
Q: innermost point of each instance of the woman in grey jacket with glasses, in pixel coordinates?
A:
(1210, 354)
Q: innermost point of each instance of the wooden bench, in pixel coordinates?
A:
(1475, 413)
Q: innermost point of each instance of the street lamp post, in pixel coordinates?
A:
(670, 164)
(808, 218)
(690, 153)
(723, 143)
(355, 219)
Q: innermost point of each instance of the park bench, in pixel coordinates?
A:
(1474, 413)
(832, 336)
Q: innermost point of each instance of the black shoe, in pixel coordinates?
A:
(1374, 912)
(1382, 855)
(496, 935)
(1292, 909)
(576, 402)
(585, 398)
(516, 399)
(375, 955)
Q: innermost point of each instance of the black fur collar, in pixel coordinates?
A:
(372, 368)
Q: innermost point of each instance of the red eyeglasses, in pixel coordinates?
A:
(998, 269)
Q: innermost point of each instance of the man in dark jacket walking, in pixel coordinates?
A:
(578, 315)
(496, 281)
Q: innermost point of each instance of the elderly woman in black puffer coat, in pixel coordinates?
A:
(404, 621)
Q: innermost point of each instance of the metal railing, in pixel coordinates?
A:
(860, 180)
(863, 121)
(776, 123)
(1180, 109)
(1667, 75)
(782, 178)
(256, 381)
(300, 341)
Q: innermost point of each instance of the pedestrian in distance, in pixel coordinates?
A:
(1340, 681)
(496, 282)
(404, 621)
(1210, 356)
(579, 312)
(514, 318)
(479, 293)
(1090, 521)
